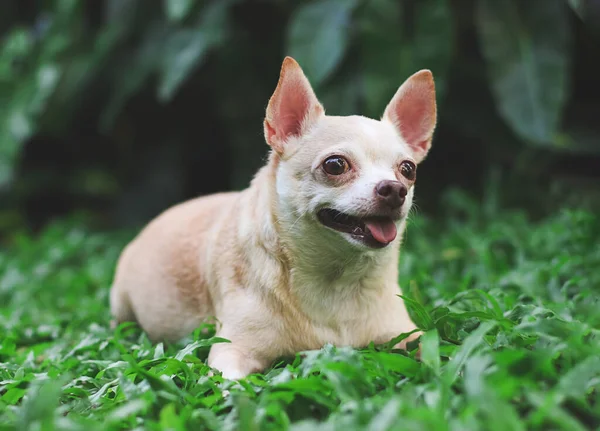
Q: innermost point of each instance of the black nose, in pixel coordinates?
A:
(391, 192)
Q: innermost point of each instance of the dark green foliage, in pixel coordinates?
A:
(526, 45)
(127, 106)
(510, 309)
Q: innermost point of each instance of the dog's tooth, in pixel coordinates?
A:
(357, 230)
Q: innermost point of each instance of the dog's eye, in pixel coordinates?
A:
(408, 170)
(335, 165)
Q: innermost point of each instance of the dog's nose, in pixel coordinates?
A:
(391, 192)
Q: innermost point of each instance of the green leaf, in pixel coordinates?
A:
(433, 40)
(395, 362)
(184, 51)
(177, 10)
(66, 7)
(315, 389)
(462, 354)
(8, 150)
(38, 409)
(24, 92)
(190, 348)
(546, 411)
(13, 395)
(342, 96)
(126, 410)
(169, 419)
(135, 72)
(20, 114)
(422, 318)
(17, 45)
(502, 416)
(318, 36)
(247, 413)
(389, 53)
(579, 379)
(526, 47)
(474, 382)
(386, 418)
(382, 53)
(430, 350)
(589, 12)
(578, 7)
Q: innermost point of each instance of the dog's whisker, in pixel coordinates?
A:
(296, 221)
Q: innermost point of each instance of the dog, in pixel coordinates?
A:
(305, 256)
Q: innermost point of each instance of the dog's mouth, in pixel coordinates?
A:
(373, 231)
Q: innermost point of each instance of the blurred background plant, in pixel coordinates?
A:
(118, 108)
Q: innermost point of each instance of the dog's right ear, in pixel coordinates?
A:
(293, 108)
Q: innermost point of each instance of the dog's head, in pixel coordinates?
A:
(349, 179)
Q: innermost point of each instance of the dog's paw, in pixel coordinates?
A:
(233, 374)
(233, 361)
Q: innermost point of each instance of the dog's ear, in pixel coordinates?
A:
(413, 112)
(293, 108)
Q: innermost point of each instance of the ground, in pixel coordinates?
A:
(510, 309)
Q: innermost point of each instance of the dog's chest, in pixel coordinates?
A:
(345, 317)
(355, 333)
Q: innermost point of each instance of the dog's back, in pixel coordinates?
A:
(158, 281)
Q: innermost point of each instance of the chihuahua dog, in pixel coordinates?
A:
(307, 255)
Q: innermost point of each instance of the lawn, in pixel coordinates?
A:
(510, 307)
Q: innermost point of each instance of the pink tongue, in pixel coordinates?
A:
(383, 231)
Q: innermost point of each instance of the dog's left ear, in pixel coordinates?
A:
(292, 109)
(413, 112)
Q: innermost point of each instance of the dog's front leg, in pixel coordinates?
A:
(235, 361)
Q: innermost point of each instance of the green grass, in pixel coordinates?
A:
(510, 307)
